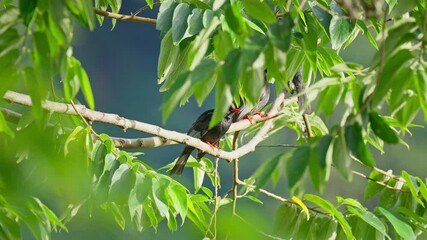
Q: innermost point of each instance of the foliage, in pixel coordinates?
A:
(221, 45)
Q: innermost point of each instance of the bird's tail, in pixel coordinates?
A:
(182, 160)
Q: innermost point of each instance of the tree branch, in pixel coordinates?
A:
(164, 136)
(118, 16)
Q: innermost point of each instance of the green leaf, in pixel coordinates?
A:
(149, 3)
(421, 87)
(180, 200)
(201, 44)
(235, 20)
(265, 171)
(340, 30)
(280, 33)
(329, 99)
(374, 188)
(362, 26)
(297, 166)
(370, 219)
(386, 82)
(344, 224)
(252, 82)
(179, 88)
(202, 79)
(411, 182)
(83, 11)
(259, 10)
(143, 187)
(409, 110)
(199, 174)
(4, 127)
(398, 34)
(341, 157)
(322, 203)
(382, 129)
(179, 22)
(85, 84)
(51, 216)
(320, 162)
(172, 225)
(354, 139)
(400, 226)
(322, 12)
(122, 182)
(167, 57)
(223, 44)
(10, 227)
(118, 215)
(302, 205)
(327, 228)
(399, 8)
(286, 216)
(26, 119)
(195, 23)
(165, 16)
(233, 68)
(27, 9)
(400, 80)
(202, 89)
(422, 188)
(158, 194)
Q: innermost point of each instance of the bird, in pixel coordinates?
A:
(299, 88)
(200, 129)
(246, 111)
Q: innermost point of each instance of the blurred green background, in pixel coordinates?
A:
(122, 64)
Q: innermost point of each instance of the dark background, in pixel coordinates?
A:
(122, 66)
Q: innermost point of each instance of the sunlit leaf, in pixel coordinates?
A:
(260, 10)
(302, 205)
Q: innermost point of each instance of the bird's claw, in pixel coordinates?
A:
(261, 114)
(250, 119)
(212, 145)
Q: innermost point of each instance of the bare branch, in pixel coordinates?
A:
(164, 134)
(118, 16)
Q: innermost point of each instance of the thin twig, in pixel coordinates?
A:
(307, 126)
(377, 182)
(123, 17)
(300, 7)
(277, 145)
(277, 197)
(378, 170)
(216, 203)
(84, 120)
(235, 184)
(235, 173)
(143, 8)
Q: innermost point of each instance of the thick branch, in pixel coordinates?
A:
(164, 134)
(118, 16)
